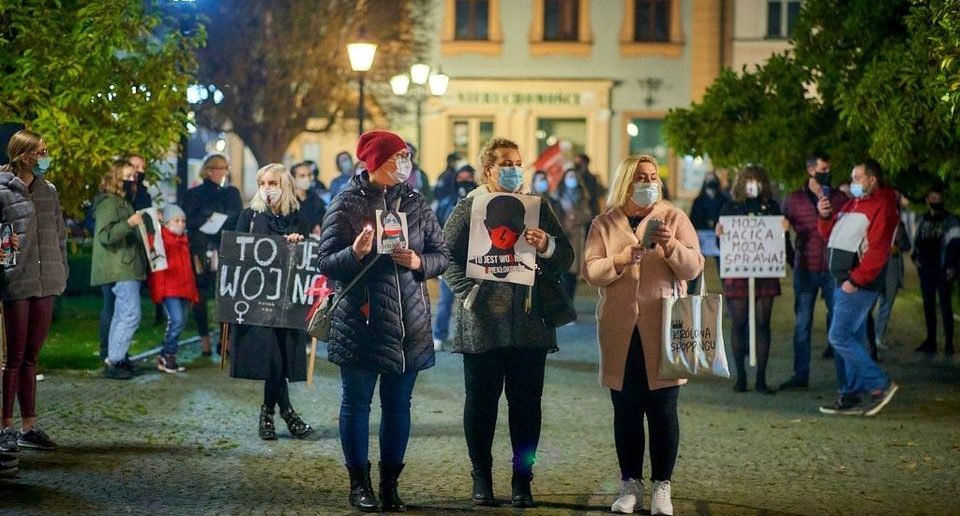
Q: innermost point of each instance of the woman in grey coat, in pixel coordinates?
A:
(503, 338)
(31, 206)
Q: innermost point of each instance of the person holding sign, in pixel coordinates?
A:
(274, 355)
(29, 288)
(503, 340)
(380, 330)
(119, 260)
(751, 194)
(641, 249)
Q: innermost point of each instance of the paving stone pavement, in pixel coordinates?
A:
(186, 444)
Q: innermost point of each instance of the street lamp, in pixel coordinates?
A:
(361, 59)
(420, 75)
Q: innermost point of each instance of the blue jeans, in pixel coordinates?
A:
(176, 309)
(396, 391)
(126, 319)
(106, 316)
(441, 324)
(856, 371)
(806, 284)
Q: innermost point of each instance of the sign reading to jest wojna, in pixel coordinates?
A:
(263, 280)
(752, 247)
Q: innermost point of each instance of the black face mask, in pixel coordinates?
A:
(464, 188)
(129, 189)
(936, 207)
(823, 178)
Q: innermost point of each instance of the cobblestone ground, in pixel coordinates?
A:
(187, 444)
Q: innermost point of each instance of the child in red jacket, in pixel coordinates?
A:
(175, 287)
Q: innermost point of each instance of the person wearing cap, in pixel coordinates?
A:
(446, 187)
(174, 288)
(503, 339)
(380, 330)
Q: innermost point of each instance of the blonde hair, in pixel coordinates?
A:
(22, 143)
(288, 199)
(112, 182)
(622, 188)
(738, 191)
(208, 162)
(488, 156)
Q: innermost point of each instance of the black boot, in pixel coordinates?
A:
(522, 497)
(483, 487)
(298, 428)
(361, 490)
(761, 386)
(388, 488)
(267, 431)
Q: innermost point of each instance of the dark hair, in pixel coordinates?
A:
(336, 160)
(937, 189)
(873, 168)
(314, 169)
(819, 155)
(752, 171)
(584, 158)
(293, 169)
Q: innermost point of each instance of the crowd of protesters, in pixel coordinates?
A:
(844, 245)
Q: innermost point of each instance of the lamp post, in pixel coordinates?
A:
(361, 59)
(420, 75)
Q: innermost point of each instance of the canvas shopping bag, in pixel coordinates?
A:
(692, 343)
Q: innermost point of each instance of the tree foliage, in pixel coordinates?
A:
(96, 79)
(284, 62)
(863, 78)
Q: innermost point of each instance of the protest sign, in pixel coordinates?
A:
(497, 250)
(263, 280)
(149, 228)
(752, 247)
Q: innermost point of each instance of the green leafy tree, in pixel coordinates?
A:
(864, 77)
(283, 63)
(96, 79)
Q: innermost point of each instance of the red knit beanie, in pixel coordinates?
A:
(376, 147)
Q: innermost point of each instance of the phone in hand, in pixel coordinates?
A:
(652, 227)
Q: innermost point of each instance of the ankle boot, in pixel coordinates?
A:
(361, 490)
(389, 473)
(267, 431)
(522, 497)
(298, 428)
(483, 487)
(761, 386)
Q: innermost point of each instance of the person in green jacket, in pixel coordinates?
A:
(119, 259)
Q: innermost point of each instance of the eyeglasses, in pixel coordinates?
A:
(402, 155)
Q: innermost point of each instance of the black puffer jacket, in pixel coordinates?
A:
(383, 324)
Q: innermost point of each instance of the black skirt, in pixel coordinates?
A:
(258, 352)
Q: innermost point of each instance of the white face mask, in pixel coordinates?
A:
(302, 183)
(645, 194)
(752, 189)
(404, 168)
(177, 227)
(270, 195)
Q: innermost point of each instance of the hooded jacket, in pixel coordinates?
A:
(383, 323)
(118, 253)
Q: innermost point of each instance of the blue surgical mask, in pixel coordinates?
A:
(541, 185)
(43, 163)
(570, 182)
(511, 178)
(856, 190)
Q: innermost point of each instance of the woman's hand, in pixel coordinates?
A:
(293, 238)
(630, 255)
(15, 241)
(663, 235)
(718, 229)
(406, 258)
(363, 243)
(538, 238)
(135, 219)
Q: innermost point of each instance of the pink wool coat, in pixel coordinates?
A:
(633, 298)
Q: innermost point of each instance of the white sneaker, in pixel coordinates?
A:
(630, 497)
(660, 502)
(437, 345)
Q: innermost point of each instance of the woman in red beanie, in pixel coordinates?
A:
(381, 328)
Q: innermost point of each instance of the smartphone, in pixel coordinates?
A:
(652, 226)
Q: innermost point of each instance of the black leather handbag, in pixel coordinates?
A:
(553, 303)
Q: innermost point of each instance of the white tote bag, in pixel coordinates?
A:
(692, 342)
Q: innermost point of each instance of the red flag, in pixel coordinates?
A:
(551, 162)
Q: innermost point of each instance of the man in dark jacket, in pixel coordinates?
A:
(446, 186)
(345, 166)
(463, 183)
(594, 189)
(860, 237)
(810, 273)
(937, 229)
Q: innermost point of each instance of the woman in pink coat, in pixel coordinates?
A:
(633, 280)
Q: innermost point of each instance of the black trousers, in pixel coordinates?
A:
(205, 285)
(275, 389)
(740, 312)
(933, 284)
(630, 405)
(486, 375)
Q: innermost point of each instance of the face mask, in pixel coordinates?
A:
(823, 178)
(936, 206)
(302, 183)
(856, 190)
(503, 237)
(270, 195)
(753, 189)
(41, 167)
(404, 167)
(176, 227)
(645, 194)
(129, 188)
(464, 188)
(511, 178)
(345, 166)
(570, 182)
(541, 185)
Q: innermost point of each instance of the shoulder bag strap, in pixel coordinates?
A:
(354, 281)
